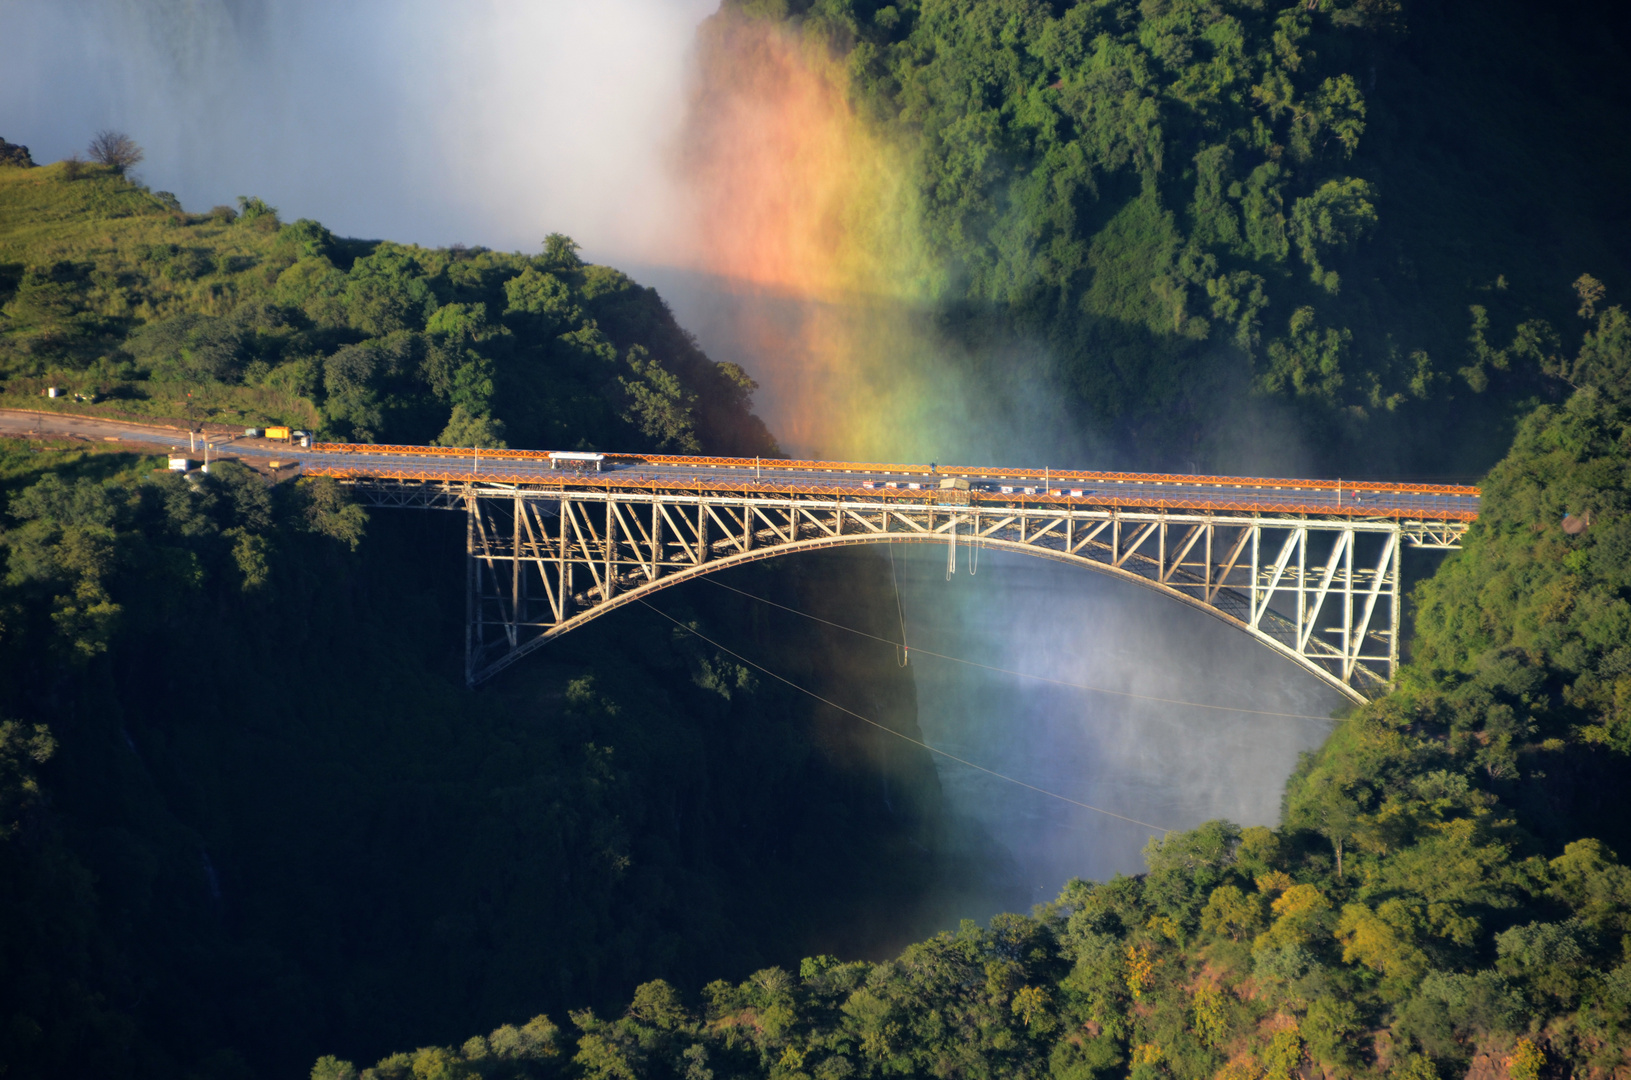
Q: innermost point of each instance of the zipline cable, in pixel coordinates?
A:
(907, 738)
(1024, 674)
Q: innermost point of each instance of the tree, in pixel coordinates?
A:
(1322, 801)
(1308, 360)
(1588, 288)
(659, 404)
(252, 209)
(1335, 217)
(330, 511)
(15, 156)
(543, 302)
(1184, 867)
(330, 1067)
(1232, 913)
(657, 1003)
(561, 252)
(1604, 361)
(466, 428)
(21, 749)
(116, 150)
(1384, 940)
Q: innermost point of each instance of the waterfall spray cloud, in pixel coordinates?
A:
(809, 263)
(492, 121)
(732, 154)
(790, 189)
(808, 217)
(1152, 760)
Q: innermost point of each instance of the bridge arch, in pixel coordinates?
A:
(1263, 635)
(542, 563)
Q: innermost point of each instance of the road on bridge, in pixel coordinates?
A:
(533, 468)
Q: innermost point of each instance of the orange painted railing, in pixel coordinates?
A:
(453, 455)
(770, 486)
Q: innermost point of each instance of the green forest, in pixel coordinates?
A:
(250, 809)
(1442, 893)
(1352, 221)
(252, 824)
(134, 307)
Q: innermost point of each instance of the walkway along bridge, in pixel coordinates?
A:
(1310, 568)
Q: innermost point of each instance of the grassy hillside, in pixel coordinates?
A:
(133, 306)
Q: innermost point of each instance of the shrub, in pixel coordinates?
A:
(253, 210)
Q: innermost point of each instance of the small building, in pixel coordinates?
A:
(282, 433)
(181, 463)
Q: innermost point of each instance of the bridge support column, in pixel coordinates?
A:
(516, 602)
(1393, 633)
(609, 550)
(470, 590)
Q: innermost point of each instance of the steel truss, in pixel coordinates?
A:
(411, 494)
(1322, 592)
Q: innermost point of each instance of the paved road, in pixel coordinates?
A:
(17, 422)
(1348, 498)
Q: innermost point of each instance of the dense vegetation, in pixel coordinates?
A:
(1441, 894)
(251, 811)
(249, 808)
(248, 813)
(116, 295)
(1345, 208)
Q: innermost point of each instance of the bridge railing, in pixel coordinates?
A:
(1048, 476)
(1250, 500)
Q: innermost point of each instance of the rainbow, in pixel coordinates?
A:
(810, 216)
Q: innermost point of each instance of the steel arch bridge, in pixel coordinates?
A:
(1309, 568)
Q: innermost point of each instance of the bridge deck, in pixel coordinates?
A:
(770, 476)
(1310, 568)
(882, 481)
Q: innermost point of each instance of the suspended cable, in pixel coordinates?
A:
(907, 738)
(1025, 674)
(905, 649)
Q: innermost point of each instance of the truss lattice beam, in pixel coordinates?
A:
(1323, 592)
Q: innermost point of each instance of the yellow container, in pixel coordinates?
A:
(277, 433)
